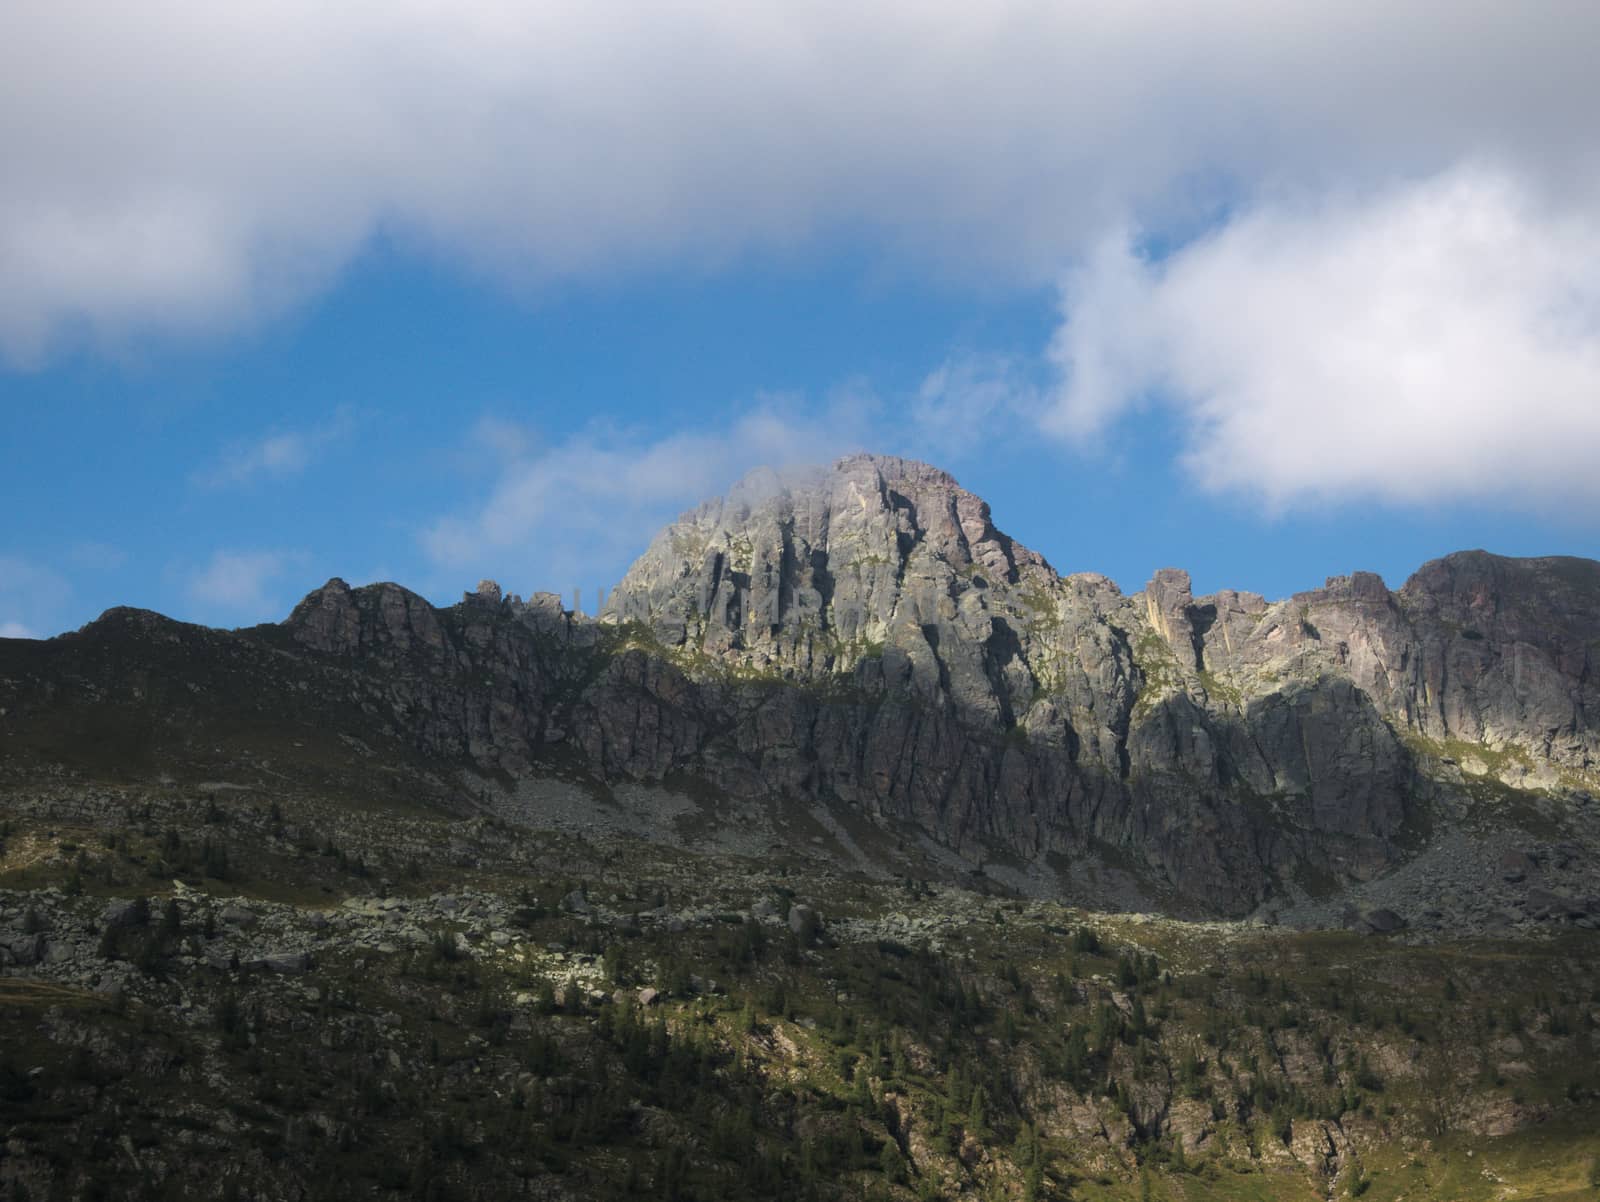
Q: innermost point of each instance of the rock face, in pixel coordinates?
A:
(865, 636)
(917, 662)
(920, 664)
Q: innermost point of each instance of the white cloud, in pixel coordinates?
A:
(1435, 342)
(576, 512)
(33, 598)
(277, 454)
(236, 585)
(179, 167)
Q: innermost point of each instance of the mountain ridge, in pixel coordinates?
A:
(864, 637)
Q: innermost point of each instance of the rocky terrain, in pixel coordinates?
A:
(215, 994)
(850, 852)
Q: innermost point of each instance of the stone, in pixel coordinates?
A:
(238, 916)
(119, 912)
(1191, 1123)
(288, 963)
(804, 921)
(1516, 865)
(1169, 606)
(1544, 903)
(22, 950)
(648, 996)
(1383, 921)
(221, 959)
(576, 903)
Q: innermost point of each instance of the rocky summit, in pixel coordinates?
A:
(850, 854)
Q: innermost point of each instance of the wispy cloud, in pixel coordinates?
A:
(238, 585)
(16, 630)
(500, 440)
(275, 455)
(577, 511)
(970, 402)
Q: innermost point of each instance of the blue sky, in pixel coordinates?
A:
(290, 297)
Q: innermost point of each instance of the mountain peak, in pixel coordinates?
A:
(790, 564)
(894, 468)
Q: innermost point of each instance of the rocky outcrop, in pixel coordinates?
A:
(478, 681)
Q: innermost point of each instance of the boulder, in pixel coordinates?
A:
(764, 909)
(1382, 922)
(120, 912)
(1516, 865)
(804, 922)
(22, 950)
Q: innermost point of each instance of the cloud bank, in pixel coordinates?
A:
(1385, 216)
(173, 167)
